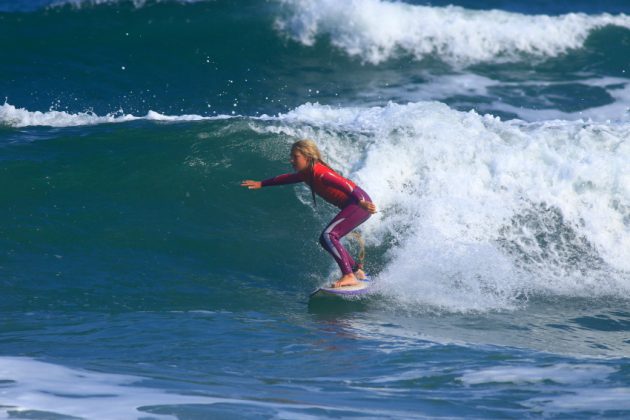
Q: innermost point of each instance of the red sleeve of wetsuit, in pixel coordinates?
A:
(337, 181)
(283, 179)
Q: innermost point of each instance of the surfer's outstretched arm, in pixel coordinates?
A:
(290, 178)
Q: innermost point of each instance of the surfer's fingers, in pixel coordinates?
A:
(248, 183)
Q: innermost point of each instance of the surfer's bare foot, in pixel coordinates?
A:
(360, 274)
(346, 280)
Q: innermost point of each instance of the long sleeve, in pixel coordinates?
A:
(336, 181)
(283, 179)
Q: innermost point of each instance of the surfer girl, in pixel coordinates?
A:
(356, 206)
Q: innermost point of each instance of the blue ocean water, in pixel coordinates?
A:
(140, 280)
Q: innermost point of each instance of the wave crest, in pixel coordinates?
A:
(377, 30)
(21, 117)
(481, 213)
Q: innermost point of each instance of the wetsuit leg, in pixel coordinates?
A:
(348, 219)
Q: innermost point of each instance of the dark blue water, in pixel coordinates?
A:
(140, 281)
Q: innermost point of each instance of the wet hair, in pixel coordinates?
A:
(310, 151)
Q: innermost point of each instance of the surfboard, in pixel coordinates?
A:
(362, 288)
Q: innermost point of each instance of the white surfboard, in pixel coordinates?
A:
(362, 288)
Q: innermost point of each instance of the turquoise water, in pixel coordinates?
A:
(140, 281)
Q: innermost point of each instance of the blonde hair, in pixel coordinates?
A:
(310, 151)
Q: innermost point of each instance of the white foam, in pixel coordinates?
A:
(21, 117)
(55, 390)
(591, 399)
(561, 374)
(51, 388)
(475, 87)
(619, 110)
(377, 30)
(450, 184)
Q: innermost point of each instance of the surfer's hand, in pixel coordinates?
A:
(252, 185)
(368, 205)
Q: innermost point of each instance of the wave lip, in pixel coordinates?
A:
(21, 117)
(377, 30)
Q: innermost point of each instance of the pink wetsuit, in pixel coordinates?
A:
(341, 192)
